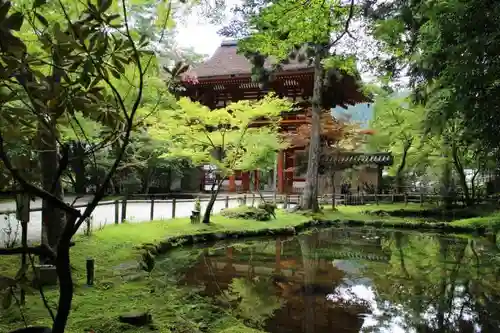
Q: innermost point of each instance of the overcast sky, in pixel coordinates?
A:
(202, 36)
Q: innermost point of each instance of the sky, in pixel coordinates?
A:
(197, 33)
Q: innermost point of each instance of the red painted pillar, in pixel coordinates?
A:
(281, 174)
(256, 180)
(232, 183)
(245, 181)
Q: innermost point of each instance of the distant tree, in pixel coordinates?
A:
(223, 137)
(399, 128)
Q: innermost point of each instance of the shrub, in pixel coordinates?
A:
(268, 207)
(247, 213)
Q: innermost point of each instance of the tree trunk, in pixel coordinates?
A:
(310, 194)
(402, 165)
(78, 166)
(211, 202)
(461, 174)
(53, 219)
(146, 180)
(446, 178)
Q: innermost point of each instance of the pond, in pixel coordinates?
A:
(353, 280)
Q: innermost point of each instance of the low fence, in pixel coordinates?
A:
(130, 210)
(139, 210)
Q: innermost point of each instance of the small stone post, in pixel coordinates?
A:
(124, 209)
(152, 211)
(117, 212)
(174, 204)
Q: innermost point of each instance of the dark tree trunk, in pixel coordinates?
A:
(53, 219)
(211, 202)
(401, 168)
(461, 174)
(310, 194)
(146, 180)
(446, 178)
(78, 167)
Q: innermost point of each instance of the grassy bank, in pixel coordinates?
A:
(121, 287)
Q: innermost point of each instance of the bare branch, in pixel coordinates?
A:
(346, 27)
(41, 250)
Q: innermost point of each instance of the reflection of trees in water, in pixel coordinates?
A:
(437, 284)
(253, 300)
(308, 244)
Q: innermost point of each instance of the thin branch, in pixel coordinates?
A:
(19, 306)
(346, 27)
(38, 250)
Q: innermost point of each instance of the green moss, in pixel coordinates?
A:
(121, 287)
(241, 329)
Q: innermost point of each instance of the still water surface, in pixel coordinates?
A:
(355, 280)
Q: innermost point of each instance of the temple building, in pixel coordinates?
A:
(226, 78)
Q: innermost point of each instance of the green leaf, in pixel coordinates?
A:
(104, 5)
(7, 299)
(4, 9)
(61, 36)
(14, 22)
(39, 3)
(115, 73)
(42, 19)
(118, 65)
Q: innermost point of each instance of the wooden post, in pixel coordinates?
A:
(232, 183)
(253, 199)
(227, 201)
(285, 205)
(245, 181)
(117, 212)
(256, 185)
(152, 212)
(90, 272)
(376, 198)
(245, 199)
(174, 203)
(124, 209)
(281, 176)
(23, 215)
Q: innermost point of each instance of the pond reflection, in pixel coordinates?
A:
(355, 280)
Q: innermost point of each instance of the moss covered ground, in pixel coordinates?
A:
(121, 287)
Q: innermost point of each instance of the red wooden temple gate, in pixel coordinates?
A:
(226, 77)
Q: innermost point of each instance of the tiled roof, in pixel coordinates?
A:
(359, 158)
(226, 61)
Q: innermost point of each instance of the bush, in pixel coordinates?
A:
(247, 213)
(268, 207)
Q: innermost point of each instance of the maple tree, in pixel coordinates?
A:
(222, 138)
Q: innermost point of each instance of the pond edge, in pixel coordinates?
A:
(171, 243)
